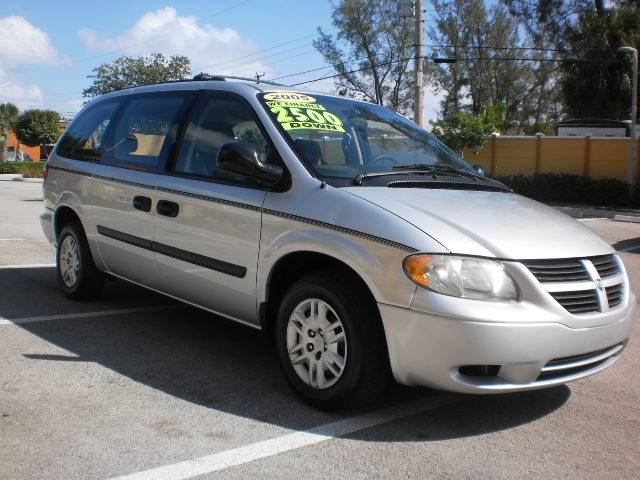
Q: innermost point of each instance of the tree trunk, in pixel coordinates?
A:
(3, 151)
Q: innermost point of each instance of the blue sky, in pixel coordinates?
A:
(48, 48)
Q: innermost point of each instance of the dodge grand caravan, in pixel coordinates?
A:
(364, 247)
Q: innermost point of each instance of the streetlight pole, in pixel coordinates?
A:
(419, 64)
(631, 162)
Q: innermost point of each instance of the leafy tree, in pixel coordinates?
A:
(126, 72)
(460, 130)
(601, 85)
(494, 119)
(490, 69)
(372, 52)
(38, 127)
(8, 117)
(548, 19)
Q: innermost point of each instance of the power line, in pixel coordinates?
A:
(255, 53)
(453, 60)
(259, 59)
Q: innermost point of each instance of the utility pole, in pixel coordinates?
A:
(631, 161)
(419, 64)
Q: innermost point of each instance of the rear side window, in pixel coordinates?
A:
(83, 140)
(144, 132)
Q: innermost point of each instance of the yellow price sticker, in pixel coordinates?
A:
(290, 97)
(299, 118)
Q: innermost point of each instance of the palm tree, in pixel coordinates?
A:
(8, 117)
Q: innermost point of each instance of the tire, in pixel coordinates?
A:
(357, 344)
(77, 274)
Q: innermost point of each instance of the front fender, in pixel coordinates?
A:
(379, 266)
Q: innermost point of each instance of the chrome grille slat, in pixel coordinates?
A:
(579, 363)
(614, 294)
(582, 301)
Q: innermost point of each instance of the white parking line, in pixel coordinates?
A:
(11, 239)
(66, 316)
(34, 265)
(267, 448)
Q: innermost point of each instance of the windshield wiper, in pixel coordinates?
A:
(418, 168)
(424, 167)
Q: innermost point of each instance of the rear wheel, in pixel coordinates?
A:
(77, 274)
(330, 342)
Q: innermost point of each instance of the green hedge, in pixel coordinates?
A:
(27, 169)
(574, 189)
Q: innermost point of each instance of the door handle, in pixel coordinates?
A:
(142, 203)
(167, 208)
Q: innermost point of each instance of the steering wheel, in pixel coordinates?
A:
(382, 162)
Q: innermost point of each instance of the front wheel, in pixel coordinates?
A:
(77, 274)
(330, 342)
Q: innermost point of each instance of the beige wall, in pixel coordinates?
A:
(597, 157)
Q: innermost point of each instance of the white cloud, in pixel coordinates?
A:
(22, 44)
(11, 90)
(165, 31)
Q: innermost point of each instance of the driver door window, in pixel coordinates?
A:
(214, 122)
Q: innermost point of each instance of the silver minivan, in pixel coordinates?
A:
(363, 246)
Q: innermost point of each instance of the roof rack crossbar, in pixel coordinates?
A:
(206, 76)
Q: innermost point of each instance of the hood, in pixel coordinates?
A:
(489, 224)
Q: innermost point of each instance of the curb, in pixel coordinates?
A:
(586, 212)
(28, 180)
(627, 218)
(8, 177)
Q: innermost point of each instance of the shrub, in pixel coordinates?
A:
(8, 167)
(574, 189)
(27, 169)
(31, 169)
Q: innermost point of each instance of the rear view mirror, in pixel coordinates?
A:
(243, 158)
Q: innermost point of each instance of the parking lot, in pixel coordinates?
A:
(137, 385)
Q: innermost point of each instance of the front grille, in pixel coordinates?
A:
(578, 301)
(614, 294)
(570, 270)
(605, 265)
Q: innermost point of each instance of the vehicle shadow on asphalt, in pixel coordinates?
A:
(209, 361)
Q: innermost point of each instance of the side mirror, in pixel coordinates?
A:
(243, 158)
(129, 144)
(480, 170)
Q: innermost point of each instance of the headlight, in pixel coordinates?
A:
(465, 277)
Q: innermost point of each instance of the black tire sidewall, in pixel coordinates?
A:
(347, 311)
(90, 280)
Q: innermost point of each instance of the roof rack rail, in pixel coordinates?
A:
(221, 78)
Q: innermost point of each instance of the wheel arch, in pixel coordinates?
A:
(294, 265)
(64, 214)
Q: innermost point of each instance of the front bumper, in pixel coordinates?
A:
(431, 349)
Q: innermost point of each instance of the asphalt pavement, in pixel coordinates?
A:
(138, 386)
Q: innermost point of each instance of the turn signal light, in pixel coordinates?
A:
(415, 267)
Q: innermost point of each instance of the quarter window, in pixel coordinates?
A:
(214, 122)
(83, 140)
(144, 133)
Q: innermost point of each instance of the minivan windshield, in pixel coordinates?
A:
(341, 138)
